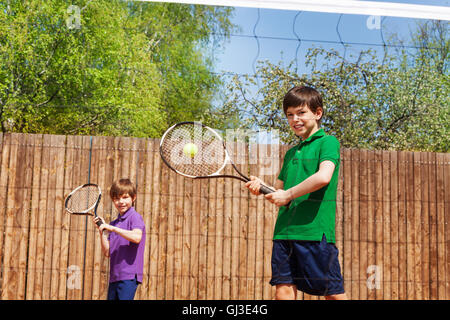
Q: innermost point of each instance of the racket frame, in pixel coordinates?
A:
(88, 210)
(264, 189)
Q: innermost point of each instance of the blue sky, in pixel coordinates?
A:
(277, 32)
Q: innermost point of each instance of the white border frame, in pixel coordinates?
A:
(370, 8)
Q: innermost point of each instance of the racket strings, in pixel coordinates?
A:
(83, 200)
(209, 155)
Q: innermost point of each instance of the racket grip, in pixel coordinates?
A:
(265, 190)
(99, 223)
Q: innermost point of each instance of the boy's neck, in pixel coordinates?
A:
(314, 130)
(121, 214)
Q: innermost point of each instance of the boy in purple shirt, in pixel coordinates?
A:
(124, 243)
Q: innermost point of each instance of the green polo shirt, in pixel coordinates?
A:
(312, 215)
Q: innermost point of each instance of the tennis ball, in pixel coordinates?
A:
(190, 149)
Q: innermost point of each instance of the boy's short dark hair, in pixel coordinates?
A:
(121, 187)
(303, 96)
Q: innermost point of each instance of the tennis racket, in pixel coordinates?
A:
(196, 151)
(84, 200)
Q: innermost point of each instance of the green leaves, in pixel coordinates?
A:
(105, 67)
(399, 103)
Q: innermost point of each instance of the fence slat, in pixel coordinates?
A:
(433, 245)
(154, 226)
(4, 172)
(268, 214)
(417, 213)
(340, 215)
(394, 226)
(402, 231)
(392, 206)
(367, 292)
(260, 287)
(411, 236)
(37, 148)
(170, 238)
(364, 218)
(162, 234)
(143, 206)
(387, 242)
(55, 194)
(442, 228)
(227, 236)
(203, 238)
(17, 218)
(346, 181)
(219, 220)
(235, 210)
(243, 224)
(445, 164)
(211, 238)
(98, 168)
(422, 188)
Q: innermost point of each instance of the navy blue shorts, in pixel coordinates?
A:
(122, 290)
(312, 266)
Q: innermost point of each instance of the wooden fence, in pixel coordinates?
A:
(212, 239)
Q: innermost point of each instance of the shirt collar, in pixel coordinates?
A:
(319, 133)
(126, 214)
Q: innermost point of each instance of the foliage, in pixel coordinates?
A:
(105, 67)
(177, 33)
(399, 103)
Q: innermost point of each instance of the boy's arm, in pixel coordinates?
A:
(255, 183)
(105, 243)
(313, 183)
(134, 235)
(103, 236)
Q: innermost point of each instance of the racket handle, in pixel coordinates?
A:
(99, 223)
(265, 190)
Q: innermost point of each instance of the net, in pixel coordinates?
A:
(193, 150)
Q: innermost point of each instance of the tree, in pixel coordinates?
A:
(104, 67)
(178, 35)
(400, 103)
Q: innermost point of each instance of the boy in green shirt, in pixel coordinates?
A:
(304, 256)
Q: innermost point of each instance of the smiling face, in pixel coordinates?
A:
(303, 121)
(123, 194)
(123, 203)
(303, 108)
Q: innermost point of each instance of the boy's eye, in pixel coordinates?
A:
(299, 113)
(121, 197)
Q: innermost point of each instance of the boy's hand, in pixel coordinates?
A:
(279, 198)
(253, 185)
(103, 226)
(96, 219)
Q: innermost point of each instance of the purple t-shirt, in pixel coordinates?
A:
(126, 258)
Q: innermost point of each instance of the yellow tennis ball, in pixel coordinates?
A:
(190, 149)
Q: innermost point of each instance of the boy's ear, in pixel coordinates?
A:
(319, 114)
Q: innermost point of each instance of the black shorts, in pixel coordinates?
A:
(312, 266)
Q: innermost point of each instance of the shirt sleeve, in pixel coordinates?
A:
(137, 222)
(330, 150)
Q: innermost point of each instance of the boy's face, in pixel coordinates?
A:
(123, 203)
(303, 121)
